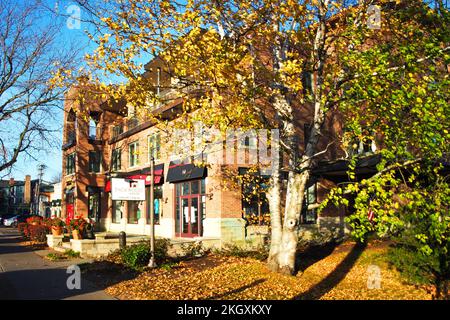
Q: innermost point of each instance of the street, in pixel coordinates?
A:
(25, 275)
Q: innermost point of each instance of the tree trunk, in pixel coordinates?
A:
(274, 197)
(289, 239)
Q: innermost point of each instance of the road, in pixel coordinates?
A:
(25, 275)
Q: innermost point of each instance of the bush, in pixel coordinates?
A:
(138, 255)
(193, 249)
(23, 229)
(261, 253)
(71, 254)
(38, 232)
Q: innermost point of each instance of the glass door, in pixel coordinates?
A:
(189, 209)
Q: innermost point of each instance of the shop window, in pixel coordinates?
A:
(134, 212)
(157, 204)
(70, 164)
(118, 207)
(94, 161)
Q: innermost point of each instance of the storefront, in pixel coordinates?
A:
(190, 198)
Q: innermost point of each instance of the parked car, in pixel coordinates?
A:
(5, 216)
(15, 220)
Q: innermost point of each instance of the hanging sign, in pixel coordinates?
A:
(128, 189)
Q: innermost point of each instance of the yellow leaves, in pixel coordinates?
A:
(219, 277)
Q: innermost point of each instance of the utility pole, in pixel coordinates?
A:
(152, 263)
(41, 168)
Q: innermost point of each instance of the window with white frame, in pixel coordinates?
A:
(154, 146)
(133, 152)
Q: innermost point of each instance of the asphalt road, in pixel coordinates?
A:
(25, 275)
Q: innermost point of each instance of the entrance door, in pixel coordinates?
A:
(190, 216)
(94, 206)
(189, 208)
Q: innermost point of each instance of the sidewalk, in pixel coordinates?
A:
(25, 275)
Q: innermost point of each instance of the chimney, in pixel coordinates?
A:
(27, 189)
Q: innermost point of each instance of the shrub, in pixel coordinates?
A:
(38, 232)
(161, 249)
(193, 249)
(71, 254)
(23, 229)
(138, 255)
(260, 253)
(35, 219)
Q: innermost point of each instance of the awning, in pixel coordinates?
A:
(182, 172)
(143, 174)
(92, 189)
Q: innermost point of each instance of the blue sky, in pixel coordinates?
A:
(52, 157)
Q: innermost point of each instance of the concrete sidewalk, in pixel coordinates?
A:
(26, 275)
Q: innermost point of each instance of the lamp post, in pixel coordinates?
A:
(152, 263)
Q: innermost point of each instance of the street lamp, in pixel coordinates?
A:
(152, 263)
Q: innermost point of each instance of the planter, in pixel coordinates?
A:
(57, 231)
(76, 234)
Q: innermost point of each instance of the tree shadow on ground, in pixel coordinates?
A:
(335, 277)
(313, 254)
(250, 285)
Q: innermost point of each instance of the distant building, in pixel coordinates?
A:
(22, 197)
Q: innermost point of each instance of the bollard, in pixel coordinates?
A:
(122, 239)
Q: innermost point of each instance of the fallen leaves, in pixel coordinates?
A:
(217, 277)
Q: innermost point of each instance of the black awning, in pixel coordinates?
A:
(179, 171)
(92, 189)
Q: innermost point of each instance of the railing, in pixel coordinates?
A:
(95, 133)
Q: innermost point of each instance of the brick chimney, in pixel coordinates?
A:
(27, 189)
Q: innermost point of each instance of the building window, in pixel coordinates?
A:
(309, 216)
(254, 204)
(157, 204)
(133, 151)
(94, 161)
(134, 212)
(359, 146)
(118, 207)
(70, 164)
(132, 123)
(116, 160)
(154, 146)
(117, 130)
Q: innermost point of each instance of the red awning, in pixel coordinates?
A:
(157, 179)
(108, 186)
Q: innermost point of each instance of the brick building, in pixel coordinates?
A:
(103, 141)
